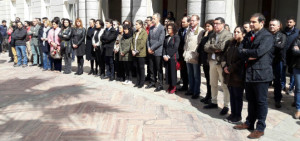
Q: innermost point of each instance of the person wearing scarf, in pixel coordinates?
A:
(45, 46)
(97, 48)
(125, 56)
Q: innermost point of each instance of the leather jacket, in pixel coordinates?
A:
(279, 44)
(78, 36)
(65, 37)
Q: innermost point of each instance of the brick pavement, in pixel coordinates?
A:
(51, 106)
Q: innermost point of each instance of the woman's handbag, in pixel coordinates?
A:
(178, 65)
(55, 54)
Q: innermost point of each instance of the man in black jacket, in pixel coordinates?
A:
(257, 50)
(108, 39)
(19, 36)
(291, 32)
(279, 44)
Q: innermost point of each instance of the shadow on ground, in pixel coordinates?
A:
(43, 120)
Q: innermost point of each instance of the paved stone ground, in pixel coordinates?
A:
(51, 106)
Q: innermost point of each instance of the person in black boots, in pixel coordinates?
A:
(209, 28)
(65, 36)
(108, 39)
(89, 53)
(78, 42)
(98, 49)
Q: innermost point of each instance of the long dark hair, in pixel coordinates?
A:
(63, 24)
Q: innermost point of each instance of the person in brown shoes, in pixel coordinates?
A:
(257, 51)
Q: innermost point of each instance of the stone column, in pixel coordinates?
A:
(222, 8)
(215, 8)
(134, 10)
(20, 9)
(5, 10)
(58, 9)
(36, 6)
(195, 7)
(82, 12)
(139, 10)
(126, 10)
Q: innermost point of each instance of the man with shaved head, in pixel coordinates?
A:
(279, 44)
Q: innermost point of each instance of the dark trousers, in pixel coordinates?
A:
(100, 60)
(41, 55)
(56, 64)
(257, 94)
(68, 62)
(118, 67)
(140, 70)
(148, 68)
(236, 100)
(277, 70)
(156, 71)
(120, 70)
(80, 62)
(206, 74)
(109, 66)
(10, 54)
(171, 72)
(97, 59)
(184, 74)
(127, 65)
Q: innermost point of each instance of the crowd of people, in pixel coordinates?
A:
(250, 59)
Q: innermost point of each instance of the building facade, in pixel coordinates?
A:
(234, 11)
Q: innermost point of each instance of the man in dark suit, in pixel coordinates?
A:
(185, 22)
(257, 49)
(108, 39)
(155, 46)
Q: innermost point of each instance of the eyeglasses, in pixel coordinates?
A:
(217, 23)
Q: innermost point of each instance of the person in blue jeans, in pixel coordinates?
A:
(45, 46)
(190, 54)
(296, 70)
(20, 42)
(291, 33)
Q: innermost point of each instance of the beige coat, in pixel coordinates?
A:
(211, 46)
(192, 40)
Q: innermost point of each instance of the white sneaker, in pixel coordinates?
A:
(129, 82)
(125, 82)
